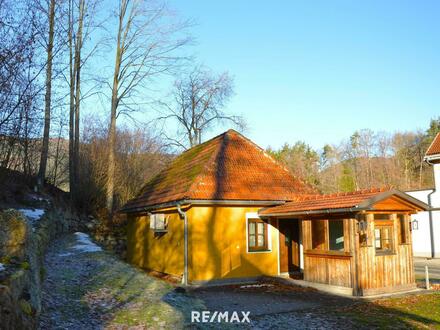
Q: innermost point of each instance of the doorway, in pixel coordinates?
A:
(289, 246)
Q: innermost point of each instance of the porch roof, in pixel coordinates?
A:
(344, 203)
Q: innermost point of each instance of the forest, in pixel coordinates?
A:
(85, 106)
(366, 159)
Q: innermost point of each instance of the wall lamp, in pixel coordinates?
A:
(414, 224)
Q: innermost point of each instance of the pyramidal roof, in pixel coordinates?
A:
(227, 167)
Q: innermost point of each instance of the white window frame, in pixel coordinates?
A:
(254, 215)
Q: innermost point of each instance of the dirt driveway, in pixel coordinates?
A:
(266, 297)
(87, 288)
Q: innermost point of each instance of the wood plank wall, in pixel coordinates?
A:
(332, 269)
(380, 273)
(359, 266)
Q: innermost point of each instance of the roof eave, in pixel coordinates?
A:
(314, 212)
(431, 158)
(203, 202)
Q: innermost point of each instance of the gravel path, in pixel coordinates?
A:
(86, 288)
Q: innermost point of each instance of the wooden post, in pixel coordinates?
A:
(427, 277)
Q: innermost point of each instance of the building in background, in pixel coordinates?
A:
(426, 225)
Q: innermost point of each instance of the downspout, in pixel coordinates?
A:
(185, 245)
(431, 222)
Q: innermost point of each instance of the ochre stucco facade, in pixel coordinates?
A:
(217, 245)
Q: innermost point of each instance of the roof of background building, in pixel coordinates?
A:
(434, 148)
(227, 167)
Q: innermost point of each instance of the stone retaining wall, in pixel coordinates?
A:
(22, 248)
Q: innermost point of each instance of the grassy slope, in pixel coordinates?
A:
(414, 311)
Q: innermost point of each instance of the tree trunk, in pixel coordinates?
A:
(77, 70)
(71, 107)
(45, 147)
(111, 158)
(112, 126)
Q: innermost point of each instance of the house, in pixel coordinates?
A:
(226, 210)
(426, 235)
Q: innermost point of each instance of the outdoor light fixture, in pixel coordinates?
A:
(362, 226)
(415, 224)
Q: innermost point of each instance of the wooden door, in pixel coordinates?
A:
(289, 245)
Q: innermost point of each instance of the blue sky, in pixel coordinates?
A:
(318, 70)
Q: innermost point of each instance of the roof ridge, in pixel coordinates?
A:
(266, 154)
(197, 180)
(342, 194)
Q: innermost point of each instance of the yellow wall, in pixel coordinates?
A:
(217, 245)
(160, 252)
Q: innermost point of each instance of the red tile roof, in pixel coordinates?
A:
(227, 167)
(434, 148)
(324, 202)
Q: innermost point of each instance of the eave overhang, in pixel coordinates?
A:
(192, 202)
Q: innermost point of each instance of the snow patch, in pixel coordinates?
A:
(67, 254)
(254, 286)
(32, 214)
(36, 197)
(2, 267)
(85, 244)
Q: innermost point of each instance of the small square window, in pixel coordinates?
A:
(383, 238)
(257, 235)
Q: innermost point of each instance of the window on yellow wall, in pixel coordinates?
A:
(257, 235)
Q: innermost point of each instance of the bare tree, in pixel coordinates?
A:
(145, 47)
(81, 24)
(75, 41)
(197, 105)
(45, 147)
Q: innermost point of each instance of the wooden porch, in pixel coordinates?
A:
(367, 250)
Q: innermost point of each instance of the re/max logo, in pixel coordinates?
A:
(219, 317)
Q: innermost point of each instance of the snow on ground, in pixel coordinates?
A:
(85, 244)
(255, 286)
(32, 214)
(67, 254)
(36, 197)
(2, 267)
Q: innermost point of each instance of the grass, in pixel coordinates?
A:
(130, 297)
(421, 311)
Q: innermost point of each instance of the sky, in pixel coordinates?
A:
(316, 71)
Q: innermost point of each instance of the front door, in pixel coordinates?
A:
(289, 245)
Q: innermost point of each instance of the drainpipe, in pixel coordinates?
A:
(185, 245)
(431, 222)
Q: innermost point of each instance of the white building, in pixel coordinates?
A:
(426, 238)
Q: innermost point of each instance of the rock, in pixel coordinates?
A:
(14, 234)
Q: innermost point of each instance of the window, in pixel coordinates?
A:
(257, 235)
(336, 235)
(404, 228)
(318, 234)
(328, 235)
(383, 238)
